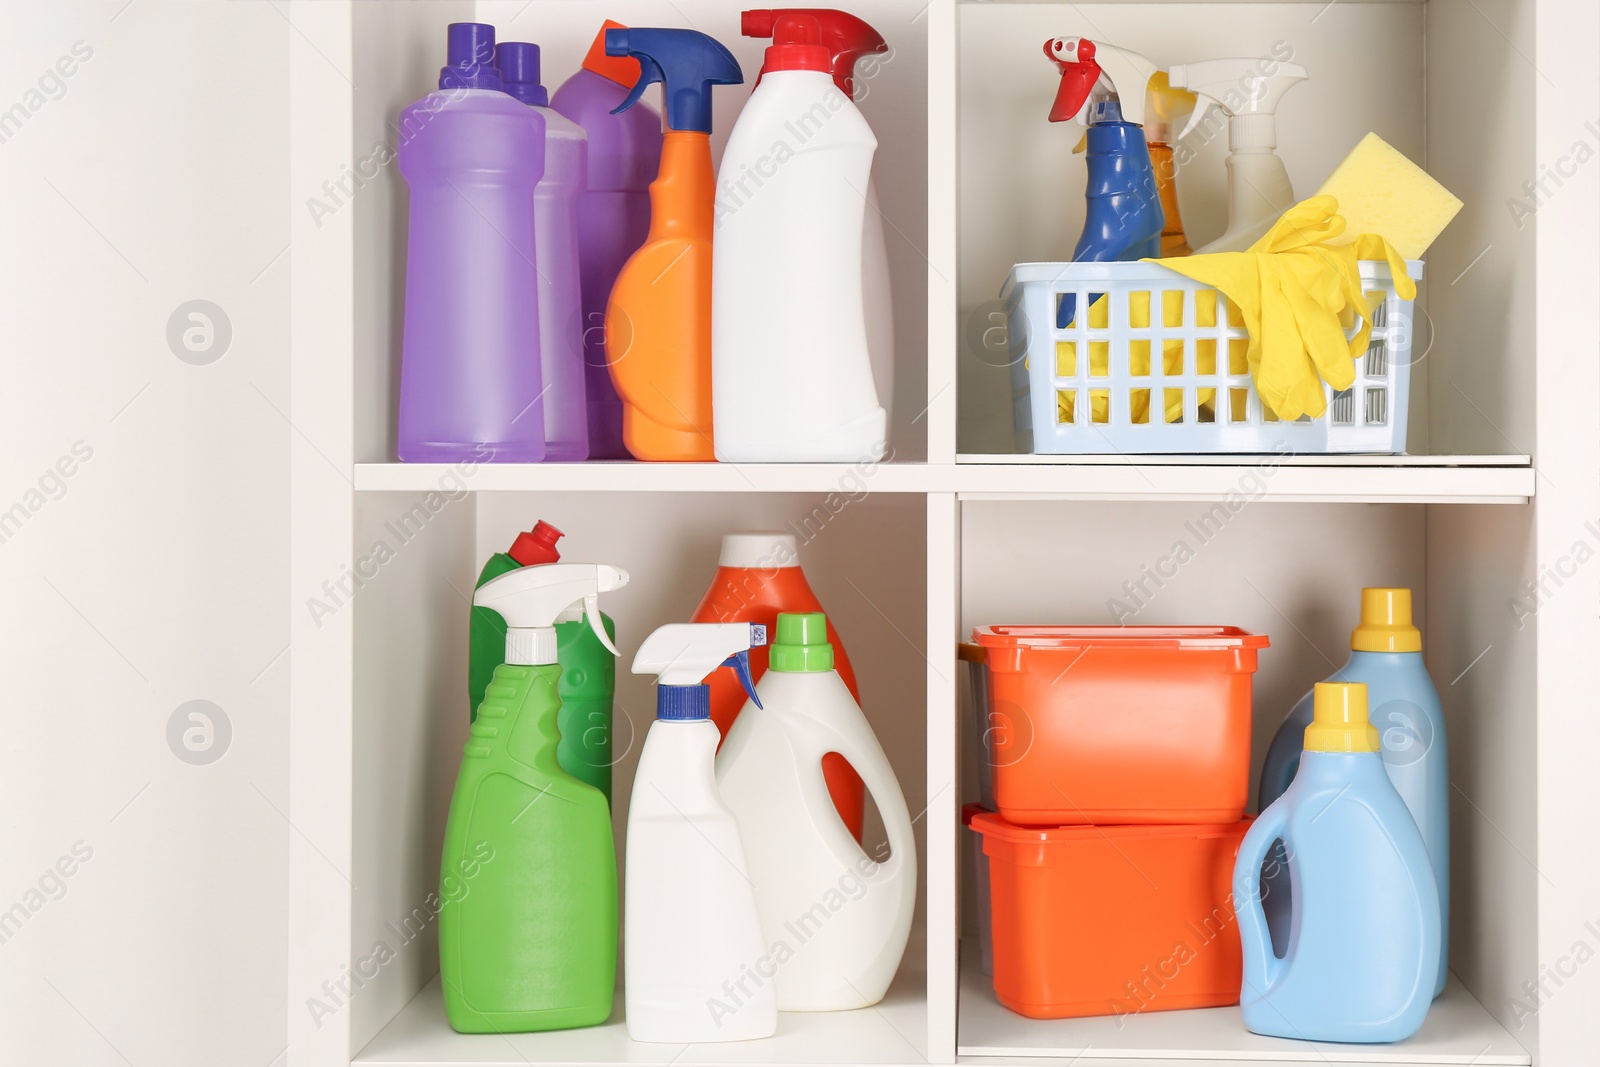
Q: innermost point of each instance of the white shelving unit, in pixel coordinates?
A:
(908, 555)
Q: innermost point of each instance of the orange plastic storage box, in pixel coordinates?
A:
(1120, 724)
(1112, 920)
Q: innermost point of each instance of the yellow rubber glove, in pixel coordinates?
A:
(1292, 290)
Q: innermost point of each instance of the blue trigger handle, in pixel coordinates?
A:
(649, 74)
(740, 662)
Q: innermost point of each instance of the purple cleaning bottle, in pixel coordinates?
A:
(472, 156)
(613, 215)
(555, 218)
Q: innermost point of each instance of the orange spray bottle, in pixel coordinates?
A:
(658, 322)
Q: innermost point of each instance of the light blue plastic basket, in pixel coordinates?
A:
(1369, 417)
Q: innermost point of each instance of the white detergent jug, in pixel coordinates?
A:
(834, 918)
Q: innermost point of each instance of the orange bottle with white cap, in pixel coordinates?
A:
(759, 575)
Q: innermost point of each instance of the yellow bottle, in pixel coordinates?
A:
(1167, 107)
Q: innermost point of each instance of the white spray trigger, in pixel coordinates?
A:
(1202, 108)
(591, 614)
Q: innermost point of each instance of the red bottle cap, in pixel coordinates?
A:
(797, 45)
(845, 37)
(536, 546)
(624, 70)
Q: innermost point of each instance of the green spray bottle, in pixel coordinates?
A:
(532, 944)
(588, 668)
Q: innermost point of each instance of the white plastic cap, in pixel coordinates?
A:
(764, 548)
(537, 645)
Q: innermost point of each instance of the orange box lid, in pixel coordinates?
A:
(991, 824)
(1182, 638)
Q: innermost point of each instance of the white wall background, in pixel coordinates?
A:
(153, 175)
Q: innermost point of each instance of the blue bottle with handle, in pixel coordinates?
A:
(1386, 657)
(1363, 943)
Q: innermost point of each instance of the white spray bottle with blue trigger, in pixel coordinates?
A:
(693, 946)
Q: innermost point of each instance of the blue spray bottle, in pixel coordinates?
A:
(1386, 657)
(1104, 88)
(1363, 945)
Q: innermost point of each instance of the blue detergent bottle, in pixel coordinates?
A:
(1363, 946)
(1105, 89)
(1386, 657)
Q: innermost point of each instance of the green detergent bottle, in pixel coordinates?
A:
(532, 943)
(588, 668)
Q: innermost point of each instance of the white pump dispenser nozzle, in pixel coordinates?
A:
(532, 599)
(685, 653)
(1248, 90)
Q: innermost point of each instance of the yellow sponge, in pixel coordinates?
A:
(1381, 191)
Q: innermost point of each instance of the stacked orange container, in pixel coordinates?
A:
(1121, 762)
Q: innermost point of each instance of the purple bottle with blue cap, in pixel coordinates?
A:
(470, 380)
(555, 218)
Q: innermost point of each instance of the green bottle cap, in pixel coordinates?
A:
(802, 645)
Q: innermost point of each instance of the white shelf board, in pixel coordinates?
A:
(1029, 459)
(605, 476)
(1264, 478)
(1458, 1030)
(893, 1032)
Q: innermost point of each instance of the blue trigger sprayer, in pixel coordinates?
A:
(1104, 88)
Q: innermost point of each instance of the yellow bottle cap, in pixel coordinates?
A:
(1386, 623)
(1339, 719)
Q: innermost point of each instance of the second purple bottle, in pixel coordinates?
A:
(613, 214)
(555, 216)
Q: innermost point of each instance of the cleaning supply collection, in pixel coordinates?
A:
(1119, 758)
(1298, 315)
(725, 851)
(586, 280)
(582, 285)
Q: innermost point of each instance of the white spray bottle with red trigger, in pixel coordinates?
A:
(791, 364)
(693, 945)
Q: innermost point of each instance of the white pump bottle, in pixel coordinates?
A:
(696, 966)
(1247, 90)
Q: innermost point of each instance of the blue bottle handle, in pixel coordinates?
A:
(1253, 933)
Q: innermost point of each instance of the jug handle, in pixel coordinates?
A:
(1276, 776)
(859, 745)
(1257, 942)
